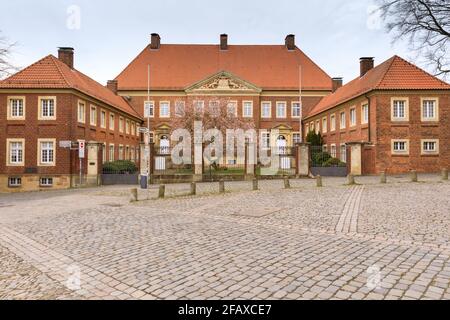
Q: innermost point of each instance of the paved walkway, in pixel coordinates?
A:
(336, 242)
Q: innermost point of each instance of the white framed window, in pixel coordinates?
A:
(199, 106)
(430, 109)
(103, 119)
(127, 153)
(325, 148)
(46, 182)
(430, 146)
(333, 151)
(16, 108)
(164, 109)
(295, 109)
(81, 112)
(296, 138)
(342, 120)
(232, 110)
(400, 109)
(343, 153)
(311, 126)
(149, 109)
(46, 152)
(15, 152)
(365, 113)
(281, 110)
(214, 108)
(400, 147)
(266, 109)
(333, 122)
(104, 153)
(112, 121)
(121, 124)
(317, 126)
(307, 129)
(127, 126)
(111, 153)
(93, 116)
(180, 108)
(324, 125)
(14, 182)
(133, 129)
(247, 109)
(120, 152)
(352, 117)
(265, 140)
(47, 108)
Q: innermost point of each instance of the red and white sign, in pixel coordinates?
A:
(81, 148)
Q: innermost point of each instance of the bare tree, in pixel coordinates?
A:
(425, 24)
(6, 68)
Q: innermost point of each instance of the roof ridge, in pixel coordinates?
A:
(27, 67)
(129, 64)
(56, 62)
(385, 72)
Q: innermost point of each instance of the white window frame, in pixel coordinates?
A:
(333, 148)
(232, 104)
(48, 182)
(400, 152)
(364, 113)
(294, 134)
(269, 104)
(121, 124)
(429, 152)
(180, 108)
(18, 184)
(103, 115)
(121, 152)
(127, 126)
(93, 115)
(406, 109)
(149, 109)
(112, 124)
(324, 124)
(213, 107)
(104, 152)
(332, 122)
(111, 152)
(436, 109)
(42, 163)
(9, 163)
(353, 117)
(343, 152)
(342, 124)
(81, 116)
(278, 115)
(199, 106)
(10, 115)
(244, 107)
(293, 103)
(161, 115)
(317, 126)
(265, 140)
(41, 116)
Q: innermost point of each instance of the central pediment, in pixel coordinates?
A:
(223, 83)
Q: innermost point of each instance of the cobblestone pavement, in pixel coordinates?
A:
(368, 241)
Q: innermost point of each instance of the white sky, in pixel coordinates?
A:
(334, 33)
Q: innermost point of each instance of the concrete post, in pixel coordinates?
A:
(198, 157)
(383, 178)
(319, 181)
(350, 179)
(287, 183)
(162, 191)
(134, 195)
(250, 160)
(193, 189)
(356, 149)
(255, 184)
(445, 174)
(221, 186)
(303, 159)
(413, 176)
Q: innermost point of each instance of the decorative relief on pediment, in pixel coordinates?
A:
(223, 82)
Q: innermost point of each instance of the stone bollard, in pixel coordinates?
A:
(287, 183)
(383, 178)
(350, 179)
(134, 195)
(445, 174)
(255, 185)
(222, 186)
(414, 176)
(162, 191)
(319, 181)
(193, 189)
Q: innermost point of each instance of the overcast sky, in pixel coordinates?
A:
(110, 33)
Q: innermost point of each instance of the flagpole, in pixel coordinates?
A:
(300, 101)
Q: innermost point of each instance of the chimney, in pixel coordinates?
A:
(366, 64)
(223, 41)
(112, 85)
(65, 54)
(337, 83)
(290, 42)
(155, 41)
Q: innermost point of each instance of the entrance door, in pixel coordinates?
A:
(164, 149)
(285, 161)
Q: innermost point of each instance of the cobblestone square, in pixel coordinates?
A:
(368, 241)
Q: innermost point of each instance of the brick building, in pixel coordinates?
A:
(401, 112)
(50, 102)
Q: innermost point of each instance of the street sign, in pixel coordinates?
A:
(81, 148)
(143, 130)
(65, 144)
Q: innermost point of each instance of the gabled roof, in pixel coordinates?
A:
(393, 74)
(51, 73)
(177, 66)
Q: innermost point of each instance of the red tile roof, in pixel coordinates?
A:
(51, 73)
(393, 74)
(175, 67)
